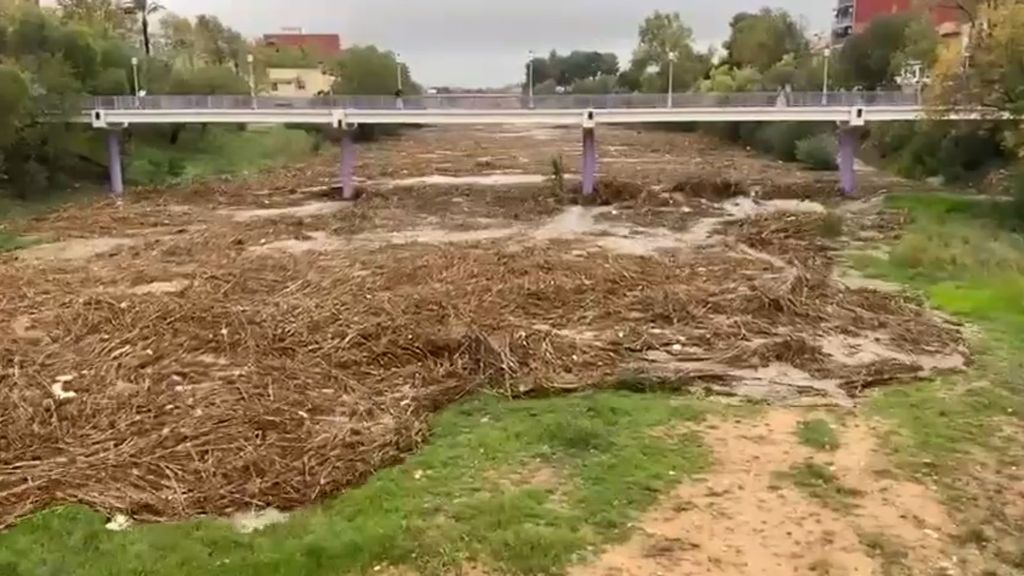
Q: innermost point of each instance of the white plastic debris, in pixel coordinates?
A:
(118, 523)
(58, 391)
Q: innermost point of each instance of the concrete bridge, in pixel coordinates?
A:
(848, 110)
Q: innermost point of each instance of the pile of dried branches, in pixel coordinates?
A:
(274, 380)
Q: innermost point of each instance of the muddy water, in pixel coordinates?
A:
(573, 223)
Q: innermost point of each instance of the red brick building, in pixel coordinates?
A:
(853, 16)
(324, 45)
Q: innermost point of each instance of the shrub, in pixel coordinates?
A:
(779, 138)
(1016, 211)
(817, 152)
(965, 152)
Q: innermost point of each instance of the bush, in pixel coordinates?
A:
(779, 139)
(1016, 211)
(817, 152)
(964, 153)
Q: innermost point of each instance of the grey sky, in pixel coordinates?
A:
(485, 42)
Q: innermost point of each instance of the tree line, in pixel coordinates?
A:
(770, 50)
(51, 58)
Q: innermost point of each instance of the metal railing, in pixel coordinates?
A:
(508, 101)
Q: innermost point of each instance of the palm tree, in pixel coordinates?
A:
(145, 9)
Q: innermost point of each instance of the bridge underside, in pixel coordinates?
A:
(847, 146)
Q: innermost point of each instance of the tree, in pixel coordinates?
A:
(866, 59)
(178, 38)
(725, 78)
(211, 40)
(603, 84)
(369, 70)
(761, 40)
(144, 9)
(14, 98)
(993, 76)
(573, 67)
(96, 14)
(663, 35)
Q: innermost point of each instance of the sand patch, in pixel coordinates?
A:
(312, 209)
(74, 249)
(740, 520)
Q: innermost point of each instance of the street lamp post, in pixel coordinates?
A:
(824, 82)
(135, 76)
(671, 76)
(398, 70)
(398, 75)
(529, 79)
(252, 79)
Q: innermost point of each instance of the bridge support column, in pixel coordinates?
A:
(847, 149)
(589, 170)
(114, 163)
(348, 165)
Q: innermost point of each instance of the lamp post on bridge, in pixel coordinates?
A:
(671, 76)
(529, 79)
(252, 79)
(398, 76)
(135, 76)
(824, 83)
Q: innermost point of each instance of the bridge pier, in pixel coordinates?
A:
(348, 165)
(114, 163)
(589, 169)
(847, 150)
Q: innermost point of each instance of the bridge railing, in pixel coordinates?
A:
(507, 101)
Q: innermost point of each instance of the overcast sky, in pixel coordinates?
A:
(485, 42)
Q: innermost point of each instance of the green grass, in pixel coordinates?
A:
(10, 242)
(820, 483)
(965, 258)
(219, 150)
(890, 553)
(467, 496)
(817, 433)
(960, 257)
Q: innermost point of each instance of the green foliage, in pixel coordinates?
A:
(1016, 211)
(725, 78)
(779, 139)
(866, 59)
(574, 68)
(818, 152)
(369, 70)
(664, 35)
(817, 433)
(213, 151)
(925, 149)
(522, 487)
(600, 85)
(10, 242)
(762, 40)
(209, 80)
(111, 81)
(14, 96)
(819, 482)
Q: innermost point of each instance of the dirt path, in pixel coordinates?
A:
(746, 518)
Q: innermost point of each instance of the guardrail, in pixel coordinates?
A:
(509, 101)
